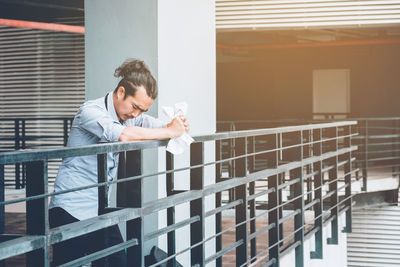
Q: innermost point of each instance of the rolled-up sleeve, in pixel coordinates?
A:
(147, 121)
(94, 120)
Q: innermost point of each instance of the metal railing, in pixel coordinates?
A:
(32, 133)
(321, 153)
(379, 148)
(378, 154)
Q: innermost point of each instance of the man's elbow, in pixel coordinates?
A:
(124, 137)
(127, 135)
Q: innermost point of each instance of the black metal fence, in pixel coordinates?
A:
(314, 163)
(31, 133)
(378, 154)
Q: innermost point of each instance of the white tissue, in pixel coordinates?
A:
(178, 145)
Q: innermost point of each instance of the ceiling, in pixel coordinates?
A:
(42, 10)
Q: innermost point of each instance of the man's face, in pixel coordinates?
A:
(131, 106)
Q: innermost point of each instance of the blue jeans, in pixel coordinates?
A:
(74, 248)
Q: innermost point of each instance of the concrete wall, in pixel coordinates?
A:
(333, 255)
(277, 83)
(114, 32)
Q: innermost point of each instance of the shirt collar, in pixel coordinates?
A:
(110, 106)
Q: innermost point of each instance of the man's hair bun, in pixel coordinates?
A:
(134, 72)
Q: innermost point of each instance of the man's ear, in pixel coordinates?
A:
(121, 92)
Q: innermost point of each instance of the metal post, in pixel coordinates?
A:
(298, 189)
(241, 210)
(318, 207)
(65, 132)
(2, 207)
(2, 198)
(17, 147)
(365, 158)
(273, 213)
(130, 194)
(102, 199)
(218, 216)
(398, 146)
(231, 166)
(281, 180)
(23, 147)
(101, 178)
(347, 180)
(333, 187)
(23, 130)
(252, 203)
(37, 222)
(171, 210)
(306, 153)
(197, 206)
(393, 146)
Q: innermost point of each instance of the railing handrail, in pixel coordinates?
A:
(35, 119)
(309, 119)
(46, 154)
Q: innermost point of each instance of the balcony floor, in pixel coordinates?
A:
(16, 224)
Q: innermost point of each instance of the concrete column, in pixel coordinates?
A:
(186, 72)
(176, 38)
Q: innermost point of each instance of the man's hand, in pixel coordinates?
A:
(184, 120)
(177, 127)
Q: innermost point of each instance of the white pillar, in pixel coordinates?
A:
(186, 72)
(176, 38)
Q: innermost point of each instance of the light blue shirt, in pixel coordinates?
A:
(93, 124)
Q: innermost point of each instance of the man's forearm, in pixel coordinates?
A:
(133, 133)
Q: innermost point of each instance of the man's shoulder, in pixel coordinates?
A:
(96, 104)
(99, 102)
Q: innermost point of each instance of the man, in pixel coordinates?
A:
(116, 117)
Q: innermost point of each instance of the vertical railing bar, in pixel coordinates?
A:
(102, 199)
(253, 167)
(170, 211)
(37, 221)
(17, 147)
(197, 229)
(347, 169)
(232, 168)
(398, 147)
(393, 146)
(252, 203)
(273, 214)
(218, 216)
(365, 162)
(101, 178)
(23, 132)
(318, 207)
(241, 210)
(132, 196)
(281, 180)
(65, 132)
(299, 205)
(333, 187)
(23, 147)
(309, 167)
(2, 207)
